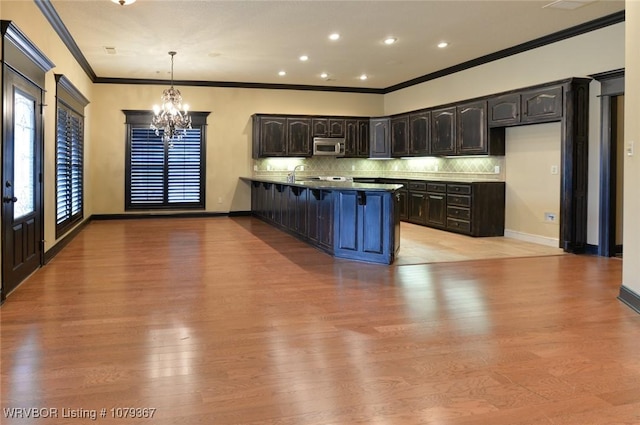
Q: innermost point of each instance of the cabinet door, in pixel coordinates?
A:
(400, 136)
(417, 207)
(298, 210)
(380, 146)
(351, 138)
(336, 127)
(403, 206)
(504, 110)
(436, 209)
(325, 219)
(273, 136)
(347, 224)
(542, 105)
(280, 205)
(320, 127)
(363, 139)
(443, 131)
(419, 131)
(472, 128)
(360, 228)
(299, 137)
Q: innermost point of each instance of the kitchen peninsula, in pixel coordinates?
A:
(357, 221)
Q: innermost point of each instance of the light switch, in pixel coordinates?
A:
(554, 169)
(630, 148)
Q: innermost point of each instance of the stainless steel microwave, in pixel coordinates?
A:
(328, 146)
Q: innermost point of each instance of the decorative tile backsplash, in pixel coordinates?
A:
(476, 168)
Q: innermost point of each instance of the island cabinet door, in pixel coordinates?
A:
(320, 218)
(362, 225)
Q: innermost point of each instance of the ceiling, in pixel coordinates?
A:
(251, 41)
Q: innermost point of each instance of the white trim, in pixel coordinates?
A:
(527, 237)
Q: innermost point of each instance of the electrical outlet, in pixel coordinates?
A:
(554, 169)
(255, 168)
(435, 167)
(268, 167)
(550, 217)
(219, 199)
(353, 168)
(496, 169)
(630, 148)
(395, 168)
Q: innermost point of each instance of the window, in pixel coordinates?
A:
(69, 155)
(161, 176)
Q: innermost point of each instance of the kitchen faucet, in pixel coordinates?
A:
(291, 178)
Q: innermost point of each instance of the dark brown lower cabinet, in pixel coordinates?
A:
(320, 218)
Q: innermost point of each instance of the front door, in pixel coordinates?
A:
(22, 207)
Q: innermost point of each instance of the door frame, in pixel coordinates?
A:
(612, 85)
(20, 56)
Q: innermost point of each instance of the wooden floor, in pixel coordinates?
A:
(222, 321)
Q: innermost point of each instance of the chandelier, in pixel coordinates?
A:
(171, 117)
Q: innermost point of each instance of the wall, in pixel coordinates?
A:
(28, 18)
(631, 265)
(228, 141)
(531, 188)
(580, 56)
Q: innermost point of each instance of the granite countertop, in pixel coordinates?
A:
(442, 179)
(329, 185)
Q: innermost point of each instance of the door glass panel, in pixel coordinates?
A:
(23, 155)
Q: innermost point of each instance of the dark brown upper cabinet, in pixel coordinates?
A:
(529, 106)
(270, 139)
(328, 127)
(504, 110)
(363, 145)
(400, 136)
(471, 133)
(542, 105)
(356, 138)
(299, 137)
(419, 133)
(379, 138)
(443, 131)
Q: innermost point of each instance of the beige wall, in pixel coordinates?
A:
(631, 265)
(531, 188)
(228, 140)
(580, 56)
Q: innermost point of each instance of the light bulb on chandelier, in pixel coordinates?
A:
(172, 117)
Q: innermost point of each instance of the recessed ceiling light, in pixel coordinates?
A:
(335, 36)
(110, 50)
(443, 44)
(324, 75)
(282, 73)
(124, 2)
(304, 58)
(390, 40)
(363, 77)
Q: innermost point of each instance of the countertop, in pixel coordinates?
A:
(328, 185)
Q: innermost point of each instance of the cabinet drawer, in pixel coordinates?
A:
(460, 225)
(464, 189)
(436, 187)
(461, 213)
(418, 186)
(459, 200)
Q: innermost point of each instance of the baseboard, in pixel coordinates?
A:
(591, 249)
(630, 298)
(54, 250)
(198, 214)
(526, 237)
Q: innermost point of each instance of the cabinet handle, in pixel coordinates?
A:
(435, 197)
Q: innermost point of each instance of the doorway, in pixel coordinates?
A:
(611, 163)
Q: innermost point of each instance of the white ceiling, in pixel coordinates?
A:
(250, 41)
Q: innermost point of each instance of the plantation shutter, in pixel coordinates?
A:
(164, 176)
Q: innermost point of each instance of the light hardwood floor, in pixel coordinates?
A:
(221, 321)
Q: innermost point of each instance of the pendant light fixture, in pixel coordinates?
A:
(171, 117)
